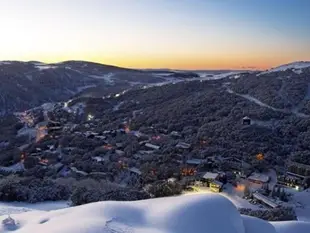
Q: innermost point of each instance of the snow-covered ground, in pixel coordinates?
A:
(295, 66)
(41, 66)
(204, 213)
(20, 207)
(107, 77)
(230, 193)
(301, 201)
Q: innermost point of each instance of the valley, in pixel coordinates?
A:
(130, 142)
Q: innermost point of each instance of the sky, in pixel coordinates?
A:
(179, 34)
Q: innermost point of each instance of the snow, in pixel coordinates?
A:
(295, 66)
(80, 89)
(205, 213)
(108, 77)
(5, 62)
(21, 207)
(210, 76)
(292, 227)
(303, 199)
(41, 66)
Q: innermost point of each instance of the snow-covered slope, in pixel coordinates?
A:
(206, 213)
(295, 66)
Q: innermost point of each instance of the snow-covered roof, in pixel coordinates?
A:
(149, 145)
(265, 199)
(210, 175)
(194, 161)
(259, 177)
(135, 170)
(202, 213)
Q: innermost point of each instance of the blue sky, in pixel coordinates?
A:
(157, 33)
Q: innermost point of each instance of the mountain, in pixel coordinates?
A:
(294, 66)
(29, 84)
(204, 213)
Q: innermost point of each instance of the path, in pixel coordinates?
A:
(260, 103)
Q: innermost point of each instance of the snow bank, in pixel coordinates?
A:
(206, 213)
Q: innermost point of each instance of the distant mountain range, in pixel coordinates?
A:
(28, 84)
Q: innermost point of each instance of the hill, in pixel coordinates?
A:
(184, 214)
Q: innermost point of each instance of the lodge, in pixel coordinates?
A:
(265, 200)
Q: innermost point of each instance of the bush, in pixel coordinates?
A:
(164, 189)
(85, 193)
(279, 214)
(14, 188)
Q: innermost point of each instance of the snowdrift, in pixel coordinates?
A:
(205, 213)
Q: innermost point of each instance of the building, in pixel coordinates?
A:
(216, 186)
(210, 179)
(210, 176)
(292, 180)
(298, 168)
(135, 170)
(194, 162)
(258, 178)
(152, 146)
(183, 145)
(265, 200)
(235, 164)
(246, 120)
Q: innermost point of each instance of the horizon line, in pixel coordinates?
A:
(243, 68)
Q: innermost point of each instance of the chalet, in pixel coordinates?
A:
(195, 162)
(183, 145)
(151, 146)
(265, 200)
(135, 170)
(246, 120)
(216, 186)
(210, 176)
(292, 180)
(300, 169)
(120, 152)
(258, 178)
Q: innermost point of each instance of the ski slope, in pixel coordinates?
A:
(205, 213)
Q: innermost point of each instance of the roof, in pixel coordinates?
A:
(265, 199)
(217, 183)
(210, 175)
(194, 161)
(152, 146)
(183, 145)
(246, 118)
(135, 170)
(259, 177)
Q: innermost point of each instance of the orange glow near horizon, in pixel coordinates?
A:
(186, 61)
(157, 34)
